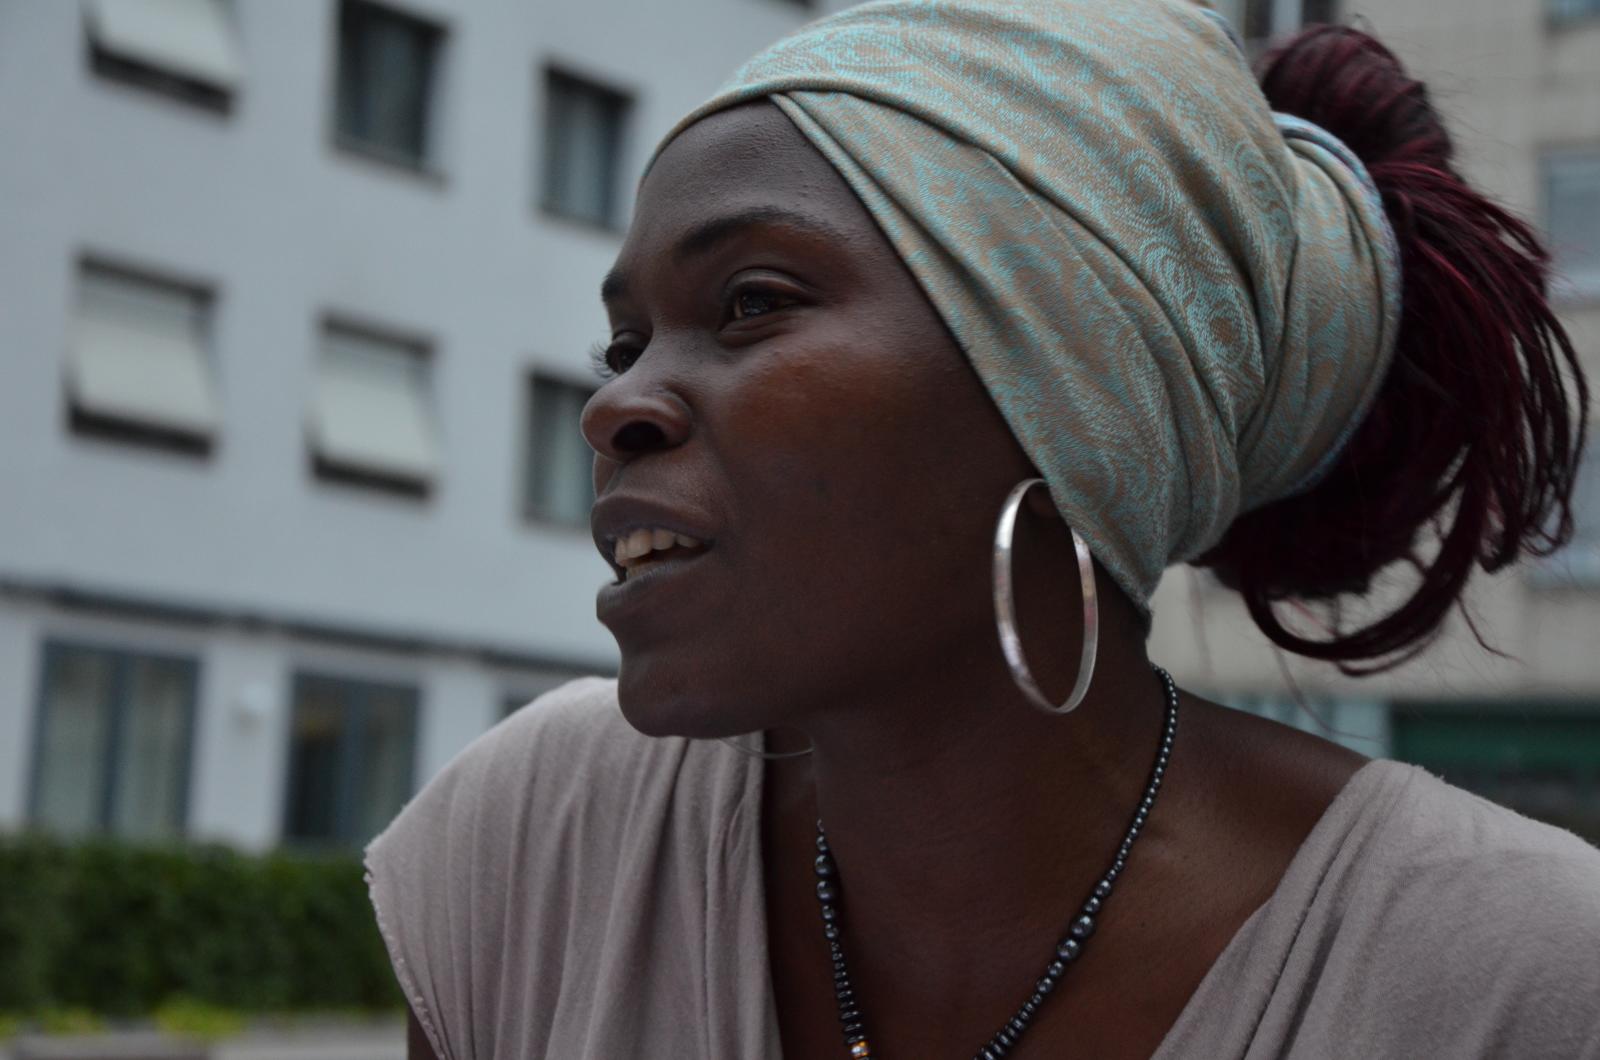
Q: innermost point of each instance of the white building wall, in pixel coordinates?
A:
(244, 559)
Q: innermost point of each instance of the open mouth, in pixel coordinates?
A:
(649, 547)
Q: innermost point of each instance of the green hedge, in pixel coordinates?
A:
(124, 929)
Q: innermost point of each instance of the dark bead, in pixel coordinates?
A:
(852, 1033)
(826, 891)
(1092, 906)
(1006, 1037)
(830, 932)
(844, 994)
(1055, 969)
(1121, 863)
(830, 911)
(850, 1015)
(1083, 927)
(1102, 889)
(824, 865)
(1043, 986)
(822, 843)
(1030, 1006)
(840, 975)
(989, 1053)
(1069, 949)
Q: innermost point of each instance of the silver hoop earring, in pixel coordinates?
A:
(769, 756)
(1005, 608)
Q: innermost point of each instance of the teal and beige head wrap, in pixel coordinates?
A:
(1181, 302)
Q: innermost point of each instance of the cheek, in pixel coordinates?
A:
(860, 475)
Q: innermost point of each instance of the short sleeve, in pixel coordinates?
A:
(438, 876)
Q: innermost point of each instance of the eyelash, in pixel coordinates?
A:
(606, 359)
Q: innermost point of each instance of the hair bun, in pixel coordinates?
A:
(1469, 453)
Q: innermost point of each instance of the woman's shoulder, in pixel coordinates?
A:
(510, 870)
(1436, 839)
(1466, 918)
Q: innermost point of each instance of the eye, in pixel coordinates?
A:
(611, 361)
(755, 302)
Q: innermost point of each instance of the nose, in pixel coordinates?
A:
(634, 415)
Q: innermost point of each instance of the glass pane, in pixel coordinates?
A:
(153, 750)
(385, 69)
(1572, 191)
(321, 711)
(387, 750)
(583, 135)
(1586, 499)
(562, 462)
(1320, 11)
(70, 784)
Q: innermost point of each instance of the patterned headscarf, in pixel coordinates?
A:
(1181, 302)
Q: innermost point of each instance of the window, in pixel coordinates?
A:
(583, 136)
(352, 748)
(137, 362)
(1579, 563)
(1259, 20)
(1572, 217)
(184, 48)
(1565, 10)
(113, 742)
(560, 486)
(1542, 760)
(388, 66)
(371, 422)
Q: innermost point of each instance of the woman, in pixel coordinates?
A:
(915, 259)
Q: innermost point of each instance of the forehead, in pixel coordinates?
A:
(738, 160)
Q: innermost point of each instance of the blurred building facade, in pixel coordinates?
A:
(1519, 81)
(291, 355)
(297, 299)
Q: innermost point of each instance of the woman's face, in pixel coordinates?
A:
(788, 398)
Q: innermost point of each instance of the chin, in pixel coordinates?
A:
(662, 697)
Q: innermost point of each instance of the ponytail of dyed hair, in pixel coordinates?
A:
(1469, 453)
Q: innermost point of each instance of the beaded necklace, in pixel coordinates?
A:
(1067, 950)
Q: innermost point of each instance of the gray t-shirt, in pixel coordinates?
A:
(569, 888)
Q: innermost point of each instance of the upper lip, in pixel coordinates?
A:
(617, 514)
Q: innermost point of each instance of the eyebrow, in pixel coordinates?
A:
(707, 236)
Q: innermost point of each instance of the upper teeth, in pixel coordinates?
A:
(632, 547)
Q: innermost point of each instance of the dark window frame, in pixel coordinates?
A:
(436, 36)
(620, 103)
(117, 430)
(122, 658)
(533, 471)
(1565, 14)
(349, 766)
(126, 71)
(353, 477)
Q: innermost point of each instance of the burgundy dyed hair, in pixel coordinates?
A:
(1468, 456)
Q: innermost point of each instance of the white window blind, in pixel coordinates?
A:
(137, 353)
(191, 38)
(371, 410)
(1572, 217)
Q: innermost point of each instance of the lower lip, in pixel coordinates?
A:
(652, 582)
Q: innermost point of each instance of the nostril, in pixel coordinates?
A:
(640, 436)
